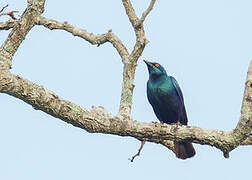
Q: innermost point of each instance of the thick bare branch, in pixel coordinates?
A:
(98, 120)
(82, 33)
(131, 62)
(131, 13)
(129, 70)
(19, 31)
(244, 127)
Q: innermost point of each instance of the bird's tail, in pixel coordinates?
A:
(184, 150)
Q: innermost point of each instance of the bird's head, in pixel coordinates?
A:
(155, 69)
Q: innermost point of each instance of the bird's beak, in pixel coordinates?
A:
(147, 63)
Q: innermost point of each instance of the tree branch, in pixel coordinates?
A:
(4, 8)
(82, 33)
(19, 31)
(98, 120)
(138, 152)
(131, 13)
(129, 69)
(11, 14)
(7, 25)
(247, 141)
(145, 13)
(242, 132)
(130, 63)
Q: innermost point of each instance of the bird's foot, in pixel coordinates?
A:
(177, 125)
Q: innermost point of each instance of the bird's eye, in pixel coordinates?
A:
(156, 65)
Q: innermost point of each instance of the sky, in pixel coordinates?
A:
(205, 45)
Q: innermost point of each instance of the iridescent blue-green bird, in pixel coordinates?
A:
(166, 99)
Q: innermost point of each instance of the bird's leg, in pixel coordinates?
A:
(139, 151)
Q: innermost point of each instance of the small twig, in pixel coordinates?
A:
(11, 14)
(139, 151)
(4, 8)
(145, 13)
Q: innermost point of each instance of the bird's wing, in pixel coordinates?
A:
(178, 90)
(151, 100)
(179, 93)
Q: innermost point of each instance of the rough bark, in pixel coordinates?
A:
(98, 120)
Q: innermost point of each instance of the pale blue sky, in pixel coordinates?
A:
(206, 45)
